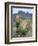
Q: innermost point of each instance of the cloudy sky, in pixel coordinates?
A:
(15, 10)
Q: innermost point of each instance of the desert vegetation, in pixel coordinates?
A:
(22, 24)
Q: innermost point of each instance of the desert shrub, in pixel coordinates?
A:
(17, 24)
(23, 32)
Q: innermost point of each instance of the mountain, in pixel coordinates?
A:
(23, 14)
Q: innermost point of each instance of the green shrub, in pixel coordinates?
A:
(23, 31)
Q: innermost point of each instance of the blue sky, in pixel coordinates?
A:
(15, 10)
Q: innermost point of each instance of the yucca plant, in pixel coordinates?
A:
(23, 32)
(17, 24)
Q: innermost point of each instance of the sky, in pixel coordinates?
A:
(15, 10)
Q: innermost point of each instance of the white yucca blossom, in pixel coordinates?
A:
(23, 24)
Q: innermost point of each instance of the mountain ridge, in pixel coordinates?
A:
(23, 14)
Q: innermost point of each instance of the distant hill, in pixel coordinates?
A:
(23, 14)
